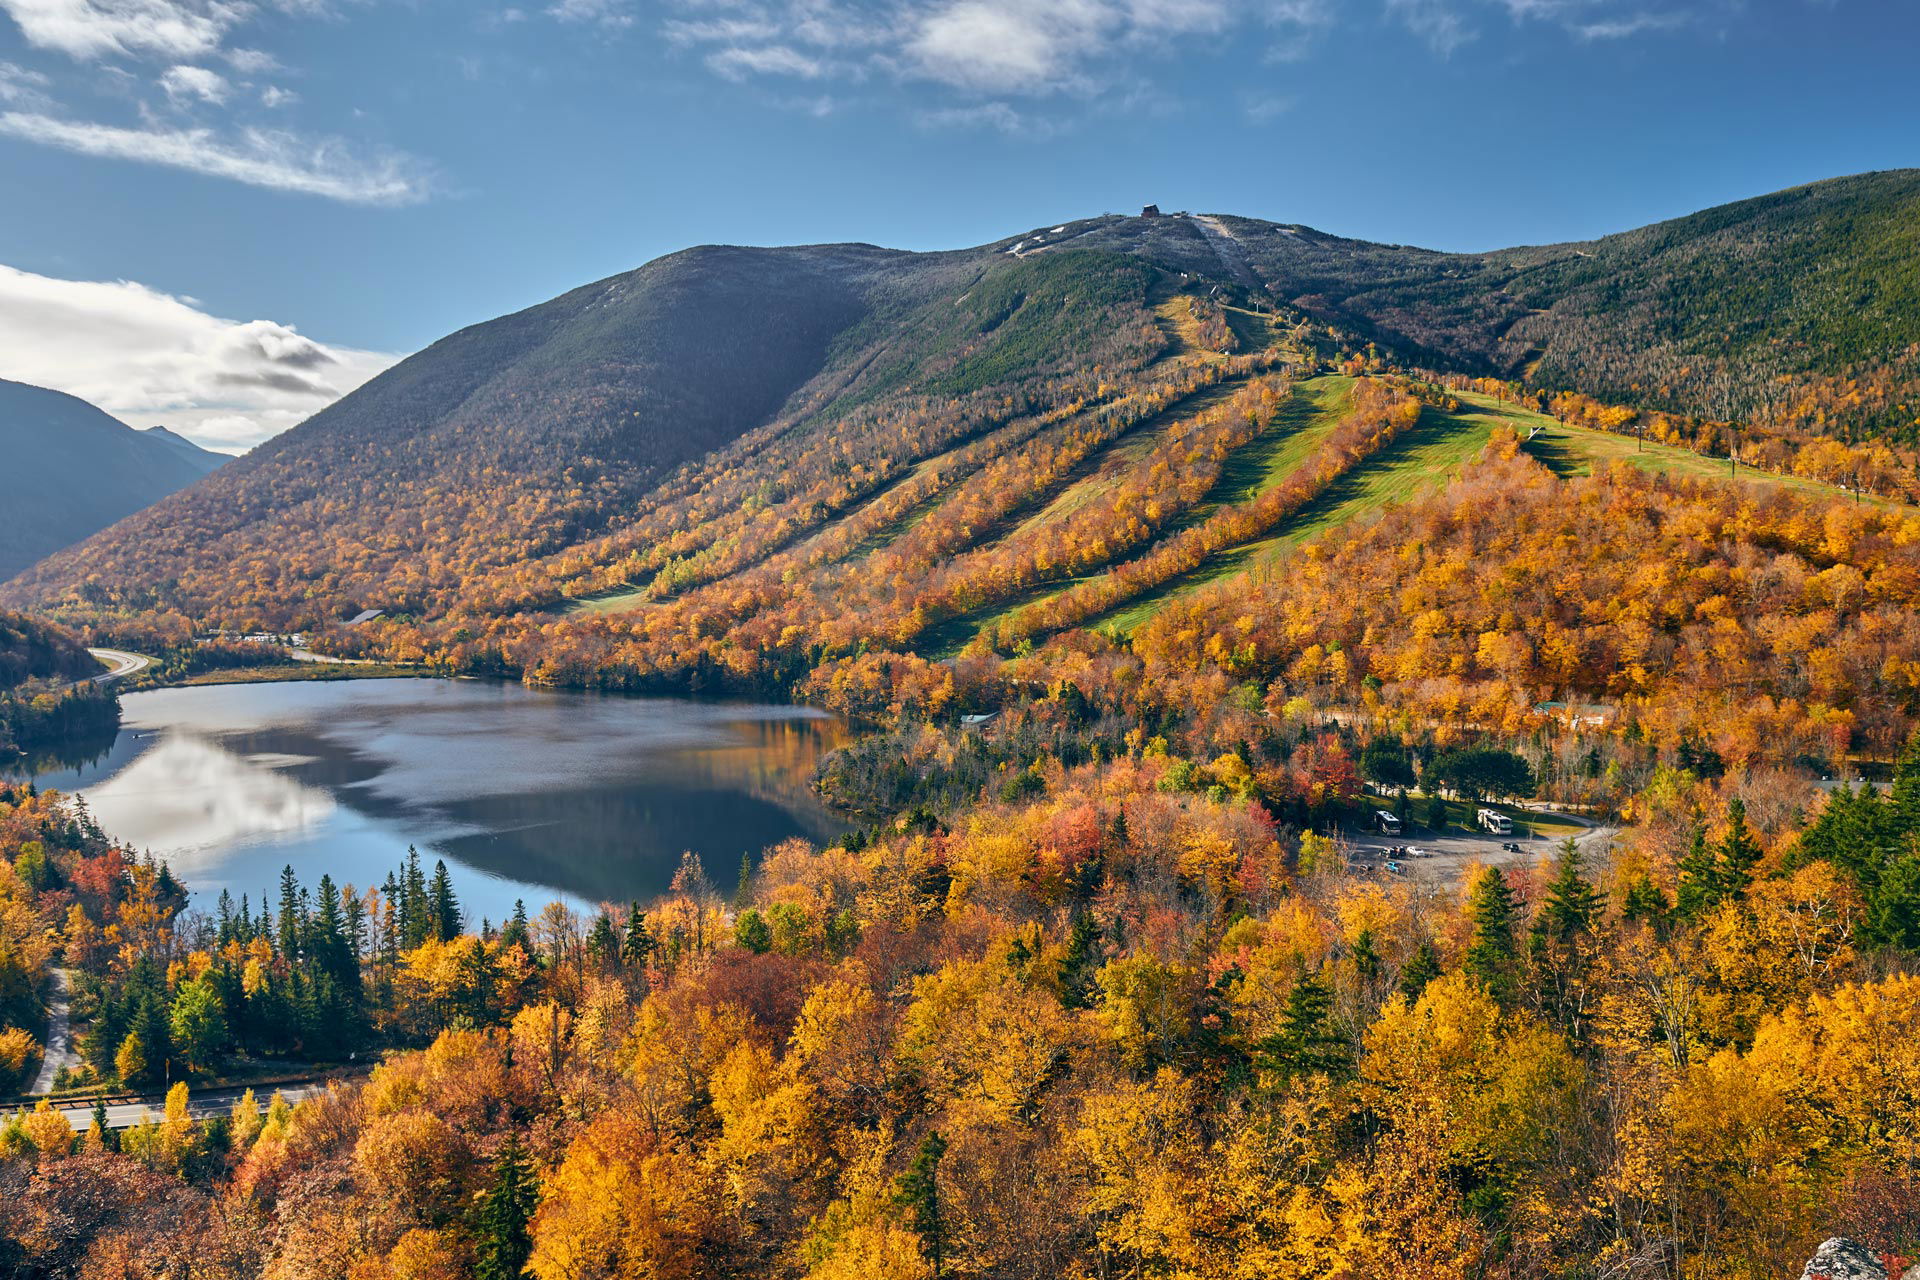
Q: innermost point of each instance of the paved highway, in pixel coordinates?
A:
(119, 663)
(211, 1102)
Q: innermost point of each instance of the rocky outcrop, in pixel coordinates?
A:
(1844, 1259)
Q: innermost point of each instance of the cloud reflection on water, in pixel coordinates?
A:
(193, 799)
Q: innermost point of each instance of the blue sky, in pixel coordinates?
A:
(220, 213)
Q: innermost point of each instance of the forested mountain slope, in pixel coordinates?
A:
(832, 413)
(67, 470)
(1748, 310)
(34, 650)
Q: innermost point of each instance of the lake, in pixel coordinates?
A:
(526, 793)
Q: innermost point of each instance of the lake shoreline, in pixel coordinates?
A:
(525, 792)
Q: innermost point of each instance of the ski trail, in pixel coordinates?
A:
(1227, 249)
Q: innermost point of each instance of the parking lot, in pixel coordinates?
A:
(1443, 858)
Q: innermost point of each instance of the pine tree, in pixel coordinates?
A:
(1905, 795)
(1557, 943)
(443, 918)
(603, 945)
(1080, 961)
(1492, 954)
(1366, 959)
(743, 892)
(1422, 967)
(327, 936)
(289, 915)
(109, 1140)
(1645, 901)
(416, 923)
(639, 943)
(1308, 1042)
(479, 976)
(1572, 902)
(1739, 852)
(918, 1192)
(1893, 908)
(1699, 890)
(501, 1222)
(515, 933)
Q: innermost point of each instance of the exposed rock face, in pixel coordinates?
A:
(1843, 1259)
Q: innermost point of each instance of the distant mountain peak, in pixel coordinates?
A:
(72, 469)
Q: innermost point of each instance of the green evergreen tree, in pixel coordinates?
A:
(1905, 796)
(479, 979)
(290, 932)
(327, 937)
(1739, 852)
(502, 1220)
(1307, 1042)
(443, 910)
(1893, 909)
(1492, 954)
(224, 913)
(1559, 943)
(1080, 961)
(107, 1134)
(1572, 904)
(1422, 967)
(1699, 890)
(515, 933)
(1645, 901)
(416, 923)
(918, 1192)
(743, 892)
(1366, 958)
(603, 944)
(639, 943)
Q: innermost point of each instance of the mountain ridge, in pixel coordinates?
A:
(608, 421)
(75, 469)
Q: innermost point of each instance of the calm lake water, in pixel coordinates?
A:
(526, 793)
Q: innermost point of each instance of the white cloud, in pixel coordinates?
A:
(728, 30)
(1434, 21)
(738, 64)
(606, 13)
(151, 358)
(983, 49)
(277, 160)
(1263, 108)
(21, 87)
(195, 84)
(274, 96)
(89, 29)
(986, 51)
(1621, 28)
(1011, 46)
(989, 115)
(252, 62)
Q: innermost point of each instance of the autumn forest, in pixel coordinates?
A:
(1160, 569)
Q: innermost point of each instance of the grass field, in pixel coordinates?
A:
(1419, 462)
(1577, 451)
(622, 601)
(1100, 474)
(1427, 458)
(1312, 412)
(1422, 461)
